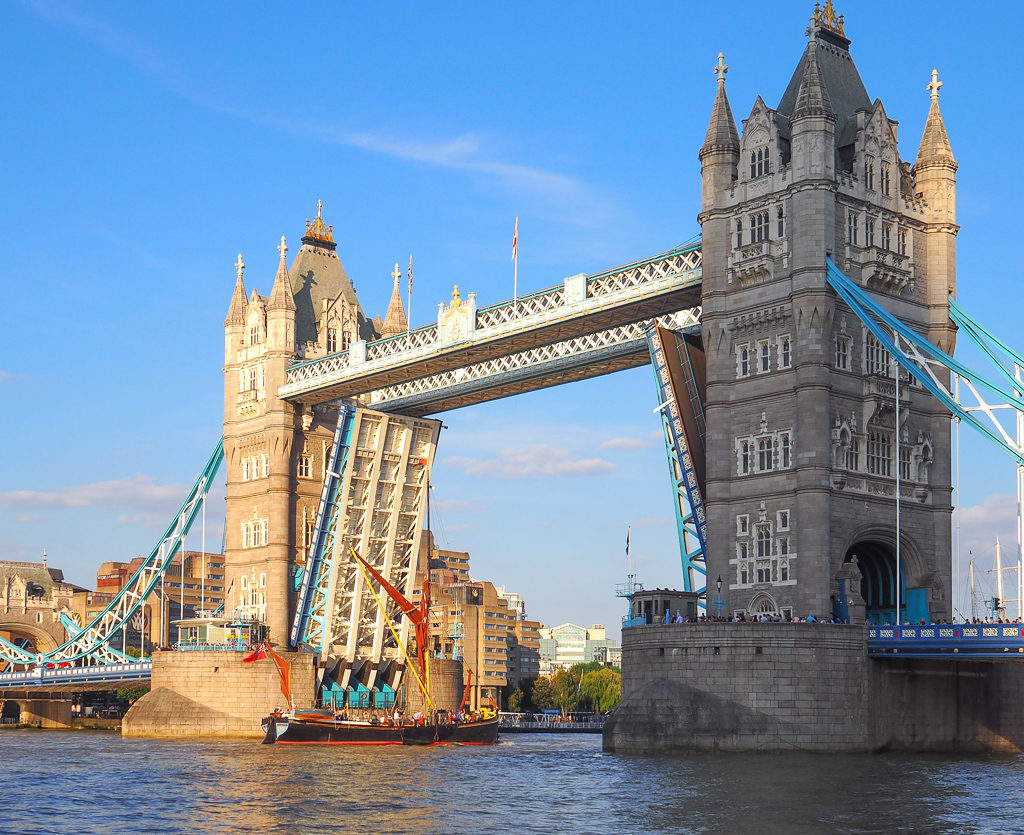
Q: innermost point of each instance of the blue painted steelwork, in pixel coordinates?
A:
(312, 609)
(74, 630)
(639, 621)
(918, 356)
(92, 641)
(44, 676)
(952, 641)
(691, 521)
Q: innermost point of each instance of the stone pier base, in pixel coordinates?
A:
(808, 687)
(214, 695)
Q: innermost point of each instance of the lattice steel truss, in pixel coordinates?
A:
(378, 510)
(691, 521)
(92, 640)
(931, 367)
(627, 286)
(542, 365)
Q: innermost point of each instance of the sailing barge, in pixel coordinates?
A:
(324, 727)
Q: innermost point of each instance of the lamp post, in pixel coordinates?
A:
(718, 603)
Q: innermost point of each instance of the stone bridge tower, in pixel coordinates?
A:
(800, 396)
(275, 451)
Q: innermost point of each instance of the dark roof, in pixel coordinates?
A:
(846, 92)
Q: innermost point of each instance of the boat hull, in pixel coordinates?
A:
(288, 731)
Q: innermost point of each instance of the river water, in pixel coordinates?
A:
(95, 782)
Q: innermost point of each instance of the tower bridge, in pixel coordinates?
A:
(803, 355)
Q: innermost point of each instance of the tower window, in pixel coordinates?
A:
(884, 178)
(746, 456)
(876, 357)
(869, 175)
(843, 353)
(780, 217)
(765, 455)
(332, 340)
(785, 450)
(903, 241)
(886, 236)
(763, 357)
(759, 227)
(743, 361)
(879, 457)
(305, 466)
(869, 231)
(760, 163)
(764, 545)
(253, 335)
(785, 351)
(851, 227)
(739, 233)
(853, 455)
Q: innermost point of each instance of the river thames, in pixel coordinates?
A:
(93, 782)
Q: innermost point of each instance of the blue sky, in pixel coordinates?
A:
(145, 145)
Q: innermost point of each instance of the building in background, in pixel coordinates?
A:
(562, 647)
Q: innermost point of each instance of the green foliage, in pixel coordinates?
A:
(133, 652)
(515, 700)
(132, 694)
(567, 690)
(602, 689)
(543, 695)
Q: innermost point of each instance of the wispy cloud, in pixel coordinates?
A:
(468, 152)
(532, 462)
(5, 376)
(134, 493)
(980, 525)
(626, 444)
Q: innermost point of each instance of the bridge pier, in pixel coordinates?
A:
(44, 713)
(808, 686)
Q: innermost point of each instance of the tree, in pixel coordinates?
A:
(543, 695)
(602, 689)
(515, 700)
(567, 690)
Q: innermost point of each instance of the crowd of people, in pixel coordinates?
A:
(742, 617)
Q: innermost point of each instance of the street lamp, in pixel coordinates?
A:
(718, 603)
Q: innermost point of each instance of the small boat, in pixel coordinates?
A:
(322, 727)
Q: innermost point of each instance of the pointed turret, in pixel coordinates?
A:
(395, 321)
(720, 154)
(722, 134)
(812, 97)
(935, 148)
(281, 296)
(239, 304)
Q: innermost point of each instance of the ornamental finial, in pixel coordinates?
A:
(933, 88)
(397, 274)
(826, 18)
(456, 301)
(239, 266)
(721, 68)
(283, 248)
(318, 229)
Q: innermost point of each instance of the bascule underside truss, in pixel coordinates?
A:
(377, 510)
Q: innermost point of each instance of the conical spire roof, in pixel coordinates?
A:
(812, 98)
(722, 134)
(239, 305)
(395, 321)
(281, 296)
(935, 145)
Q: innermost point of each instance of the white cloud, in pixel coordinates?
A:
(465, 153)
(138, 492)
(624, 444)
(530, 462)
(980, 525)
(5, 376)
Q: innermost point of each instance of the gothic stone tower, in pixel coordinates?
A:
(275, 450)
(800, 396)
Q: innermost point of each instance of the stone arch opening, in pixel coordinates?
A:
(11, 712)
(762, 604)
(877, 562)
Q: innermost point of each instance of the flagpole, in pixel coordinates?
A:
(515, 266)
(408, 321)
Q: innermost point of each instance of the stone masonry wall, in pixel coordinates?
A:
(213, 694)
(742, 687)
(811, 687)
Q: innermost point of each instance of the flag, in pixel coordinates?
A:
(259, 652)
(410, 275)
(627, 541)
(515, 240)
